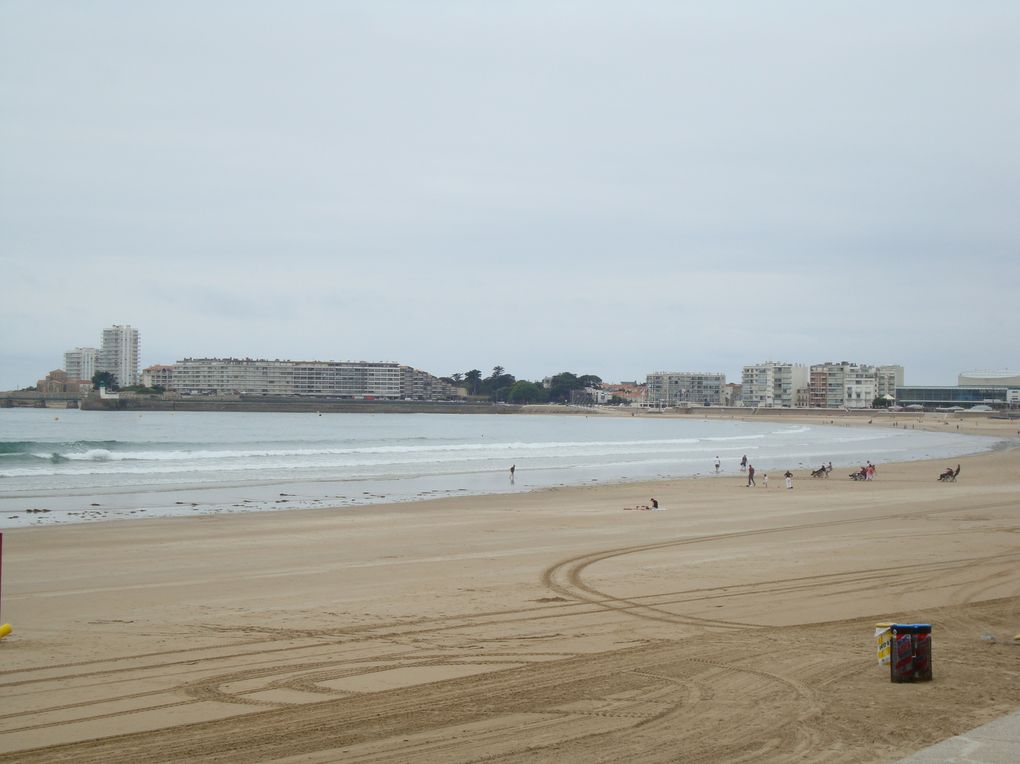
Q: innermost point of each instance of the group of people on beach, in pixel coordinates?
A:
(746, 466)
(867, 472)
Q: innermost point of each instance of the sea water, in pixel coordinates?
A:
(91, 465)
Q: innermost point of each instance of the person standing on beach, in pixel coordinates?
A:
(717, 465)
(743, 462)
(789, 479)
(513, 468)
(750, 476)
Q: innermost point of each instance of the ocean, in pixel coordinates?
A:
(60, 466)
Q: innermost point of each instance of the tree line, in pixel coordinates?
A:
(501, 386)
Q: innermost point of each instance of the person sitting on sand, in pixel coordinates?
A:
(646, 508)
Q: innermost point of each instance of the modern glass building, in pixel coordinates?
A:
(934, 397)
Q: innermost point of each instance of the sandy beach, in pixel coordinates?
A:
(559, 625)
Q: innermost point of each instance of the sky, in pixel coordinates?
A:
(598, 187)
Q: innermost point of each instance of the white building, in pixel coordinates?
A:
(683, 388)
(888, 378)
(119, 354)
(772, 384)
(989, 378)
(353, 380)
(80, 363)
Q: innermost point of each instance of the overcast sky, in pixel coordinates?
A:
(605, 188)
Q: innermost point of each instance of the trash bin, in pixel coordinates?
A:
(922, 653)
(910, 659)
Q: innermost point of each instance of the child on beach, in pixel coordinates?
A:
(764, 480)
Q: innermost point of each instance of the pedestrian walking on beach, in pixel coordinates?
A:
(717, 465)
(750, 476)
(764, 480)
(743, 462)
(513, 468)
(789, 479)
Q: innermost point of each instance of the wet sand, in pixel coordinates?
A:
(736, 625)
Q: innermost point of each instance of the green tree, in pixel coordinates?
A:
(473, 379)
(561, 385)
(497, 386)
(526, 392)
(881, 402)
(154, 390)
(104, 379)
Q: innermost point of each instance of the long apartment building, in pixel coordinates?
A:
(354, 380)
(772, 384)
(682, 388)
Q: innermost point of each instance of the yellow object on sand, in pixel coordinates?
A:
(883, 643)
(5, 630)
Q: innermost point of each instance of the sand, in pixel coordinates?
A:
(736, 625)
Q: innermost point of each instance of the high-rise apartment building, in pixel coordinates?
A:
(681, 388)
(845, 385)
(774, 384)
(80, 363)
(119, 354)
(888, 378)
